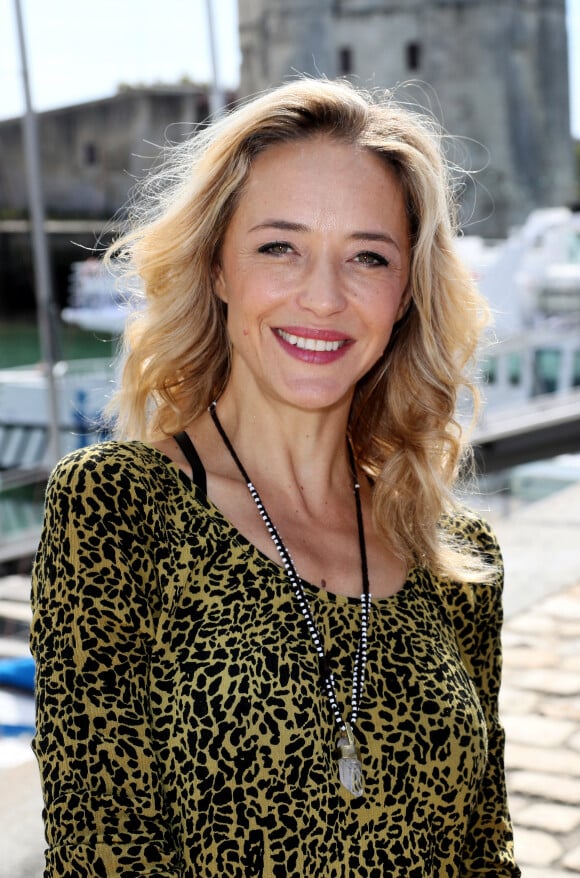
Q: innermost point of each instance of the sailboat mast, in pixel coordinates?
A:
(43, 288)
(216, 95)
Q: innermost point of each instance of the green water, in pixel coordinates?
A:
(20, 346)
(21, 509)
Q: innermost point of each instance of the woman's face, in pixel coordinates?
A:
(314, 269)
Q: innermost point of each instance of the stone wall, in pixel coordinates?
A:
(91, 156)
(92, 153)
(494, 72)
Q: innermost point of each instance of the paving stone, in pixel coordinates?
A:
(540, 731)
(533, 623)
(550, 680)
(15, 587)
(532, 872)
(572, 859)
(550, 760)
(516, 803)
(562, 607)
(513, 700)
(511, 638)
(543, 785)
(537, 625)
(560, 819)
(567, 630)
(535, 848)
(22, 837)
(572, 662)
(529, 657)
(518, 640)
(563, 708)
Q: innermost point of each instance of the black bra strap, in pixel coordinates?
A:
(197, 468)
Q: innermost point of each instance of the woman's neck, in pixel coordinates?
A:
(302, 452)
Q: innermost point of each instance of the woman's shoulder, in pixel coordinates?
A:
(112, 462)
(478, 599)
(472, 531)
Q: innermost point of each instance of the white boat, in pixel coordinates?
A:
(532, 282)
(96, 299)
(97, 303)
(83, 387)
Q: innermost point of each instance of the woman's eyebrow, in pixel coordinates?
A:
(382, 237)
(283, 225)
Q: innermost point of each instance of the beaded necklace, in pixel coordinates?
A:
(350, 768)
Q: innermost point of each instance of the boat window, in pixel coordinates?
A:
(574, 247)
(514, 368)
(546, 370)
(576, 369)
(489, 370)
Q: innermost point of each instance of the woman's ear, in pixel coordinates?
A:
(404, 303)
(219, 282)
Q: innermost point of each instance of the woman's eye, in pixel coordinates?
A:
(277, 248)
(370, 258)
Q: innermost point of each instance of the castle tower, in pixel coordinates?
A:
(494, 72)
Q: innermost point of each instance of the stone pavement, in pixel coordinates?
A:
(540, 706)
(540, 702)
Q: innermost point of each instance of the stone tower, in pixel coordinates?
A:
(494, 72)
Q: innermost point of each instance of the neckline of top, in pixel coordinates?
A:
(314, 591)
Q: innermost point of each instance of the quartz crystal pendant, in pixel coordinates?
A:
(349, 766)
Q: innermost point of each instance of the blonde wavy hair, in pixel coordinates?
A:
(176, 354)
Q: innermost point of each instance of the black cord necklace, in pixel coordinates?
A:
(350, 768)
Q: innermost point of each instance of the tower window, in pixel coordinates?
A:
(90, 153)
(413, 56)
(345, 64)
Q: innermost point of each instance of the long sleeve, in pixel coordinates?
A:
(94, 607)
(489, 846)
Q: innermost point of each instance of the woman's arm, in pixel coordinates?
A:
(95, 597)
(489, 844)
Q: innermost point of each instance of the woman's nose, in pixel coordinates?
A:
(322, 289)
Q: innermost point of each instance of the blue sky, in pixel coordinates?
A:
(80, 50)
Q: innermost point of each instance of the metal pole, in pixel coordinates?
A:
(216, 96)
(43, 291)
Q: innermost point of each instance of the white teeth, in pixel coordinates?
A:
(310, 344)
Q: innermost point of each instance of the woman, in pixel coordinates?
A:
(218, 693)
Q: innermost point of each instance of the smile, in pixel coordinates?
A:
(311, 344)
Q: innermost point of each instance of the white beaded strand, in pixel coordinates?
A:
(359, 665)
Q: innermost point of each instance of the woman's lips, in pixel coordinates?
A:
(313, 345)
(308, 343)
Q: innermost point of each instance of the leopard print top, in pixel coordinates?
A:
(181, 726)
